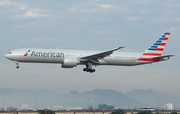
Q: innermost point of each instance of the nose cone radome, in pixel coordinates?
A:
(6, 56)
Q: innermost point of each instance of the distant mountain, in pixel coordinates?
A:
(17, 97)
(43, 98)
(95, 97)
(153, 98)
(113, 97)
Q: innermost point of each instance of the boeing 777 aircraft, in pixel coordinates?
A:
(72, 58)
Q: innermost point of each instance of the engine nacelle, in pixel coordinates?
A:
(69, 62)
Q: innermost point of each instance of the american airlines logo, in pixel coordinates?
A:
(27, 52)
(47, 54)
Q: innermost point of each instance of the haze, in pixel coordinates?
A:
(89, 25)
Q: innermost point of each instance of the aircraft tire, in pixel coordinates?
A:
(17, 67)
(89, 70)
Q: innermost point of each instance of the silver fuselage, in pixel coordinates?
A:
(58, 56)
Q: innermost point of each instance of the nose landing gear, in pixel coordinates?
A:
(17, 64)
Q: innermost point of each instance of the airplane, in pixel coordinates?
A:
(72, 58)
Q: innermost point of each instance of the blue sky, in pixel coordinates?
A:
(89, 25)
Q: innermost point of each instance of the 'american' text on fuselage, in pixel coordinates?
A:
(47, 54)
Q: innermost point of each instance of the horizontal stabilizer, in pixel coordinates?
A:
(162, 56)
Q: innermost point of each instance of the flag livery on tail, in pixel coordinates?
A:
(156, 49)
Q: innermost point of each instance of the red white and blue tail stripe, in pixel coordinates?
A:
(156, 49)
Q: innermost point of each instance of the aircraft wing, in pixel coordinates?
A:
(99, 55)
(162, 57)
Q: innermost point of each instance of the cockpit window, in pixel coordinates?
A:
(9, 52)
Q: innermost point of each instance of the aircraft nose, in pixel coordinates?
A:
(6, 56)
(10, 56)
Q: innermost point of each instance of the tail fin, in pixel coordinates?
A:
(157, 48)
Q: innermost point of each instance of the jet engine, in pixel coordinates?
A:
(69, 62)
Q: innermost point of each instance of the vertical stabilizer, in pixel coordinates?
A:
(157, 48)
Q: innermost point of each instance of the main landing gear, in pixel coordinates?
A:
(17, 65)
(89, 68)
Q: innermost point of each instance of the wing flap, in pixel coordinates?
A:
(165, 56)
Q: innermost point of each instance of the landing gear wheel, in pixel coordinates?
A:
(17, 64)
(17, 67)
(89, 70)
